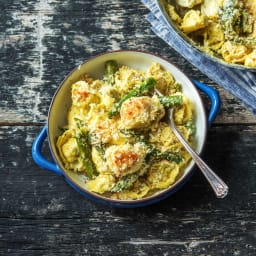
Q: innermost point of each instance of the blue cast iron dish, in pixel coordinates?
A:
(95, 67)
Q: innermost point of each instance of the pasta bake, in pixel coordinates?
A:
(225, 29)
(116, 135)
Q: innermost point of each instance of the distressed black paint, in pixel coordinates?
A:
(40, 42)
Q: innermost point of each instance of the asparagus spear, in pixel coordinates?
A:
(148, 84)
(156, 155)
(124, 183)
(110, 70)
(190, 125)
(170, 101)
(84, 148)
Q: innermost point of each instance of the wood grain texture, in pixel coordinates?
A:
(40, 214)
(42, 42)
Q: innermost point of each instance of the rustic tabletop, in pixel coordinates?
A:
(40, 214)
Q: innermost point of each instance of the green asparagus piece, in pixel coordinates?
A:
(136, 92)
(156, 155)
(110, 70)
(84, 147)
(101, 151)
(124, 183)
(170, 101)
(190, 125)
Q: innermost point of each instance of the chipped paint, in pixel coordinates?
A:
(196, 243)
(83, 41)
(153, 242)
(41, 31)
(187, 244)
(40, 213)
(27, 93)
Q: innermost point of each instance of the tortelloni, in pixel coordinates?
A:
(225, 29)
(141, 112)
(116, 135)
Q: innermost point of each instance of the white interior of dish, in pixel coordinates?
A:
(95, 68)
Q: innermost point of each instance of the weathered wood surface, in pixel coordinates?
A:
(40, 42)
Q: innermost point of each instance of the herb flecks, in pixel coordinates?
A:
(237, 22)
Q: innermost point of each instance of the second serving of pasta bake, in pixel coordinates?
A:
(225, 29)
(117, 137)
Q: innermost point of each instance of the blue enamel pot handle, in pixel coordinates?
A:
(45, 164)
(214, 98)
(38, 157)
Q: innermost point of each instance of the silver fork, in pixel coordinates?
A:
(218, 185)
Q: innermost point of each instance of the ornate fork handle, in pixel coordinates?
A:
(218, 185)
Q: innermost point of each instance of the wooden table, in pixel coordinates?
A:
(41, 41)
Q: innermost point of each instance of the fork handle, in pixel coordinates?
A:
(218, 185)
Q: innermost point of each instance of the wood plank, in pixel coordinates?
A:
(232, 110)
(38, 50)
(41, 214)
(196, 236)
